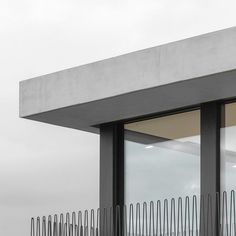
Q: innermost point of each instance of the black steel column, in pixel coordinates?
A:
(111, 165)
(210, 147)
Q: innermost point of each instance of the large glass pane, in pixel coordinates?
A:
(162, 157)
(228, 148)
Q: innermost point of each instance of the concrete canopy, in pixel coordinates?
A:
(179, 74)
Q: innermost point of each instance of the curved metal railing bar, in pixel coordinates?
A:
(210, 215)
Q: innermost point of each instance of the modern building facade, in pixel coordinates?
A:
(166, 116)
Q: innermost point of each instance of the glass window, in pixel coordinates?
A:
(162, 157)
(228, 148)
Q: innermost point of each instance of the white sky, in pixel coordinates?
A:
(46, 169)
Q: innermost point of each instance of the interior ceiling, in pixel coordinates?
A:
(230, 114)
(175, 126)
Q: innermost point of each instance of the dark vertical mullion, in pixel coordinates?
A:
(111, 165)
(118, 165)
(210, 147)
(210, 163)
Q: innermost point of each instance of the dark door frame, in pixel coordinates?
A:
(111, 165)
(210, 148)
(112, 177)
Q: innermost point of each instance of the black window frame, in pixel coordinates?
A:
(112, 177)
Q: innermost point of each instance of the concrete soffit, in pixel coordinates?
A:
(180, 74)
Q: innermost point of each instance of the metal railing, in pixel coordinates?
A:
(209, 215)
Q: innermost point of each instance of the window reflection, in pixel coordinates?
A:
(162, 157)
(228, 148)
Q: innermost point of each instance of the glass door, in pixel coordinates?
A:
(162, 157)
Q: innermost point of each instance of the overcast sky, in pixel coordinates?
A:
(47, 169)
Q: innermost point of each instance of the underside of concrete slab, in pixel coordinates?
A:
(172, 76)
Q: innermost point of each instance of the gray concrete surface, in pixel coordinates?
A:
(178, 74)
